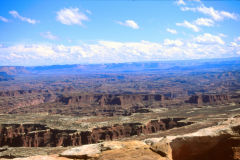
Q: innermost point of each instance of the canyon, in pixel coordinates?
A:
(221, 141)
(81, 104)
(37, 135)
(155, 110)
(210, 99)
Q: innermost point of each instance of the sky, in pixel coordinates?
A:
(50, 32)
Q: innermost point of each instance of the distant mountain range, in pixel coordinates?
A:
(168, 66)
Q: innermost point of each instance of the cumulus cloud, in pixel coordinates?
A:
(238, 39)
(3, 19)
(173, 31)
(188, 9)
(168, 42)
(208, 38)
(236, 46)
(180, 2)
(49, 35)
(215, 14)
(71, 16)
(195, 24)
(202, 46)
(210, 11)
(204, 22)
(189, 25)
(129, 23)
(15, 14)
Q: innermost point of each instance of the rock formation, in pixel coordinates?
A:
(111, 99)
(37, 135)
(80, 104)
(13, 70)
(209, 99)
(220, 142)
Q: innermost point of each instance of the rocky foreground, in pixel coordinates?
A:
(220, 142)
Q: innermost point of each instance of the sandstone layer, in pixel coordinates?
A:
(79, 104)
(37, 135)
(111, 99)
(209, 99)
(220, 142)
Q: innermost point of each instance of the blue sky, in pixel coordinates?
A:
(41, 32)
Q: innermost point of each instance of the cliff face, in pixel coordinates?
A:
(13, 101)
(221, 142)
(13, 70)
(36, 135)
(22, 101)
(17, 93)
(211, 99)
(79, 104)
(109, 99)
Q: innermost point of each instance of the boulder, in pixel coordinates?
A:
(221, 142)
(163, 148)
(85, 151)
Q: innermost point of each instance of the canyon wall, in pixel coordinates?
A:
(110, 99)
(37, 135)
(220, 142)
(79, 104)
(210, 99)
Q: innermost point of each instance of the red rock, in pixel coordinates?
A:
(37, 135)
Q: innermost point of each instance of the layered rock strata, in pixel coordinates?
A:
(37, 135)
(209, 99)
(110, 99)
(220, 142)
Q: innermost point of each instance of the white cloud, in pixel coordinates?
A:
(168, 42)
(216, 15)
(222, 35)
(15, 14)
(198, 22)
(188, 25)
(188, 9)
(208, 38)
(71, 16)
(173, 31)
(129, 23)
(204, 22)
(228, 15)
(3, 19)
(88, 11)
(200, 47)
(180, 2)
(234, 44)
(210, 11)
(238, 39)
(49, 35)
(195, 0)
